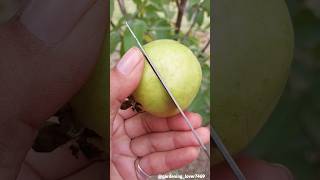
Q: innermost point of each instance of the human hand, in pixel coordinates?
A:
(159, 144)
(46, 54)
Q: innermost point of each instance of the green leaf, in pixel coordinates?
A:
(192, 2)
(138, 27)
(190, 12)
(206, 6)
(120, 22)
(137, 2)
(192, 42)
(139, 5)
(151, 12)
(163, 30)
(156, 4)
(192, 9)
(168, 12)
(200, 18)
(114, 40)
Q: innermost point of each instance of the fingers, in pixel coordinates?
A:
(157, 142)
(252, 169)
(145, 123)
(161, 162)
(128, 113)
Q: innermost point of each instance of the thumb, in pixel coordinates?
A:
(124, 78)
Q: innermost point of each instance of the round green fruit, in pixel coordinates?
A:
(180, 71)
(253, 41)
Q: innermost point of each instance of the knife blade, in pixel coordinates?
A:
(236, 170)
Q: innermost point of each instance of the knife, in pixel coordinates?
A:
(214, 134)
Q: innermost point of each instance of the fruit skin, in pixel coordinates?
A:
(180, 70)
(252, 55)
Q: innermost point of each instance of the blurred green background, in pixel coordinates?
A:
(292, 134)
(186, 21)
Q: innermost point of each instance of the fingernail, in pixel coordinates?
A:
(129, 61)
(52, 20)
(283, 170)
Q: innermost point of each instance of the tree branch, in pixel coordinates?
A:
(206, 46)
(181, 7)
(122, 7)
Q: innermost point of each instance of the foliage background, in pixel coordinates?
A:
(292, 134)
(186, 21)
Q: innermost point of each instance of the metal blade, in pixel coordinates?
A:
(214, 135)
(226, 155)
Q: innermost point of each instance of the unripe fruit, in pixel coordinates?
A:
(253, 41)
(179, 69)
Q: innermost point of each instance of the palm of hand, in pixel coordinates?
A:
(162, 144)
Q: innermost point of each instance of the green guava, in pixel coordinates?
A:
(181, 72)
(253, 47)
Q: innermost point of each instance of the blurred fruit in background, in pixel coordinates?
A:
(292, 134)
